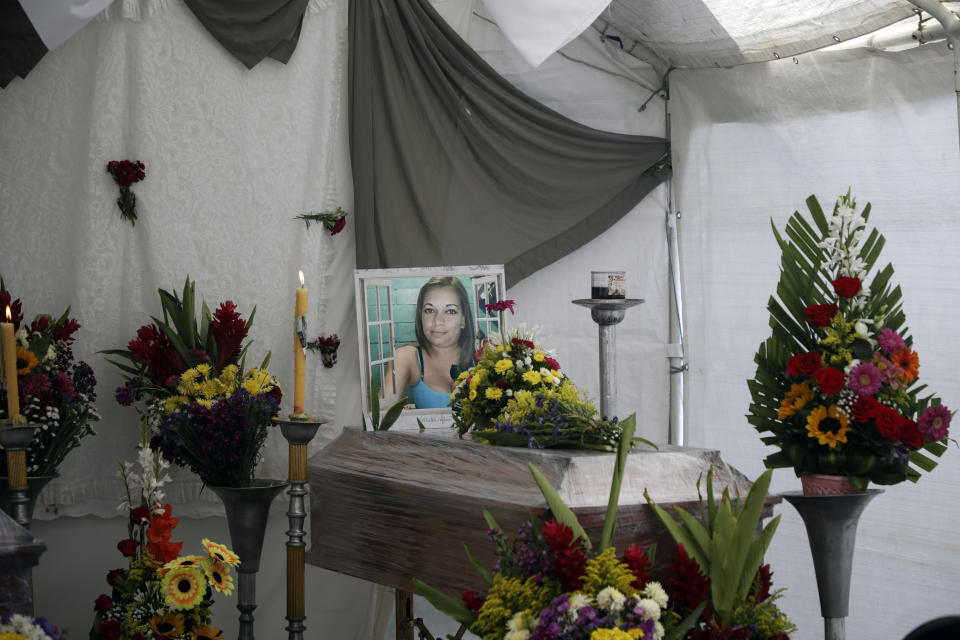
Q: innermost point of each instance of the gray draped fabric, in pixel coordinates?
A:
(251, 30)
(454, 166)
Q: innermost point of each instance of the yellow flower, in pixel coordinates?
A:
(493, 393)
(533, 377)
(220, 552)
(26, 361)
(168, 624)
(828, 426)
(206, 633)
(797, 398)
(184, 587)
(503, 366)
(218, 575)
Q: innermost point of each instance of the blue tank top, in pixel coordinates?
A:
(423, 396)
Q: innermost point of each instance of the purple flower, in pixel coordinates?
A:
(890, 341)
(934, 423)
(865, 379)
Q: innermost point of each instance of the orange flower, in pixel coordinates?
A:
(909, 362)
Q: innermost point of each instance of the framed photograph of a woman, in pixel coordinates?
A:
(419, 328)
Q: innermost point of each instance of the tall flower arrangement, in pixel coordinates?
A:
(160, 595)
(202, 410)
(518, 395)
(836, 388)
(57, 391)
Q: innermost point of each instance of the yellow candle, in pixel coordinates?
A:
(10, 366)
(299, 357)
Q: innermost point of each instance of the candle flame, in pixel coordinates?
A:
(9, 315)
(301, 279)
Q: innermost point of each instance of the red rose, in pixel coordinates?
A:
(888, 422)
(846, 287)
(103, 603)
(865, 408)
(831, 380)
(910, 434)
(115, 574)
(110, 629)
(819, 315)
(140, 515)
(804, 364)
(128, 547)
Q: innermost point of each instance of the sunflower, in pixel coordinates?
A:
(168, 624)
(184, 561)
(206, 633)
(828, 426)
(184, 587)
(798, 396)
(218, 575)
(220, 552)
(26, 361)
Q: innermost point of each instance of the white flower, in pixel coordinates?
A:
(610, 598)
(654, 590)
(651, 610)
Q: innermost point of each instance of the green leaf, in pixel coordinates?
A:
(560, 511)
(445, 604)
(623, 448)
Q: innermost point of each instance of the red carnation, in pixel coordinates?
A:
(804, 364)
(846, 287)
(636, 558)
(910, 434)
(115, 574)
(128, 547)
(229, 330)
(110, 629)
(472, 599)
(888, 422)
(103, 603)
(831, 380)
(820, 315)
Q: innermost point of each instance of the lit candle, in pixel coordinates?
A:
(10, 366)
(299, 346)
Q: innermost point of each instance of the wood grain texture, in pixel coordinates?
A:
(387, 507)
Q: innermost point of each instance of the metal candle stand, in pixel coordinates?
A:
(607, 314)
(298, 433)
(16, 441)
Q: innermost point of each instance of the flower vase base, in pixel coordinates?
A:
(816, 484)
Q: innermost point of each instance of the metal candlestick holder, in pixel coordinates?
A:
(298, 433)
(16, 441)
(607, 314)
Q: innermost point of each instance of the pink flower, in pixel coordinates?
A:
(934, 423)
(865, 379)
(890, 341)
(501, 306)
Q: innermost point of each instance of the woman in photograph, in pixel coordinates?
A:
(425, 372)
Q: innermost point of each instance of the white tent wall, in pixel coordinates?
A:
(749, 145)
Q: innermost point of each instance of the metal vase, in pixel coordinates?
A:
(35, 485)
(247, 511)
(831, 523)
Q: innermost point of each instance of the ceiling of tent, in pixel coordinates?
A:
(724, 33)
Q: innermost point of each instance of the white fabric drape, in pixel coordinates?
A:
(231, 157)
(750, 144)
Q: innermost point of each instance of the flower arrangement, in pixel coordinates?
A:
(517, 395)
(836, 384)
(16, 626)
(333, 221)
(202, 410)
(327, 346)
(56, 391)
(125, 173)
(160, 595)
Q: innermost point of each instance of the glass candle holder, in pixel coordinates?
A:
(607, 285)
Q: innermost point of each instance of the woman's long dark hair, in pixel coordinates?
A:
(466, 334)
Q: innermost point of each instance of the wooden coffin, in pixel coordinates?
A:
(388, 507)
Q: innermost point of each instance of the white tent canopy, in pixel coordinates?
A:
(749, 144)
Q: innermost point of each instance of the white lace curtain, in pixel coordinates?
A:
(231, 155)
